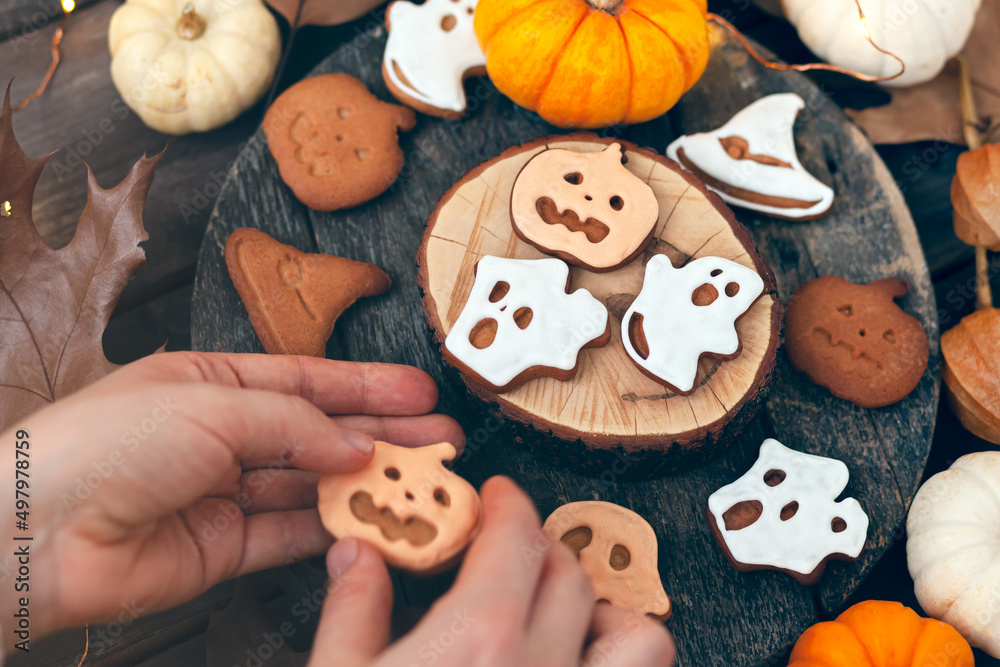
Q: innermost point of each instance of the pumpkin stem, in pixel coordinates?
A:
(190, 25)
(610, 6)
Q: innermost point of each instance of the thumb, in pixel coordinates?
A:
(354, 626)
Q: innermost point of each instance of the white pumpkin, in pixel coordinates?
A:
(192, 65)
(924, 33)
(953, 548)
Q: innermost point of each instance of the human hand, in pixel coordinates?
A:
(519, 601)
(183, 469)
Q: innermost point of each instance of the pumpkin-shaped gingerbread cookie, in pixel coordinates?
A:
(855, 341)
(419, 514)
(585, 208)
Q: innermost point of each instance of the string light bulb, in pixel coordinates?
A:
(68, 5)
(5, 209)
(862, 26)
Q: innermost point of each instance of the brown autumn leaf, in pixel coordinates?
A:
(55, 304)
(322, 12)
(242, 631)
(933, 110)
(975, 194)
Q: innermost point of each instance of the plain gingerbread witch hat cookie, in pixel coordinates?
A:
(294, 298)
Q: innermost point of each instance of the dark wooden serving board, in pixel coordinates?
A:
(720, 617)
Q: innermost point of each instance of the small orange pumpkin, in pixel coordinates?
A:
(594, 63)
(881, 634)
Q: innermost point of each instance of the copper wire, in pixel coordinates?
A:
(56, 40)
(815, 66)
(86, 648)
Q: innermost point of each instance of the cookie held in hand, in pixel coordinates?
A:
(417, 513)
(783, 514)
(855, 341)
(617, 549)
(336, 144)
(294, 298)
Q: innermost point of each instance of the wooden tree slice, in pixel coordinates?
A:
(609, 402)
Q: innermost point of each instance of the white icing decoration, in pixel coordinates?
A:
(677, 331)
(767, 126)
(802, 542)
(433, 60)
(560, 326)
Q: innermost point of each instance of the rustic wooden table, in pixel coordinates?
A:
(81, 116)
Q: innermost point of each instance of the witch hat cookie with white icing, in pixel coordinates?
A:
(751, 161)
(431, 50)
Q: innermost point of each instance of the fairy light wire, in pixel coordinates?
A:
(865, 32)
(68, 6)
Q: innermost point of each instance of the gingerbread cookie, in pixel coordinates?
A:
(335, 143)
(585, 208)
(783, 514)
(682, 314)
(751, 161)
(617, 549)
(519, 323)
(431, 50)
(294, 298)
(855, 341)
(419, 514)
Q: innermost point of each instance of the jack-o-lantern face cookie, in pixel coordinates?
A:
(855, 341)
(419, 514)
(585, 208)
(617, 549)
(335, 143)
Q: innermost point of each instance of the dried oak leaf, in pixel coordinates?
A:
(322, 12)
(55, 304)
(975, 194)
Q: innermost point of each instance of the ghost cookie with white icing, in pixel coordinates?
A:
(682, 314)
(519, 323)
(751, 161)
(431, 50)
(783, 514)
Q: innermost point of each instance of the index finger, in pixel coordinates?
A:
(504, 563)
(335, 387)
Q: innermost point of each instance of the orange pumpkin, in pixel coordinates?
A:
(881, 634)
(594, 63)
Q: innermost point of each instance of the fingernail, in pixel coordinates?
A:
(341, 556)
(359, 441)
